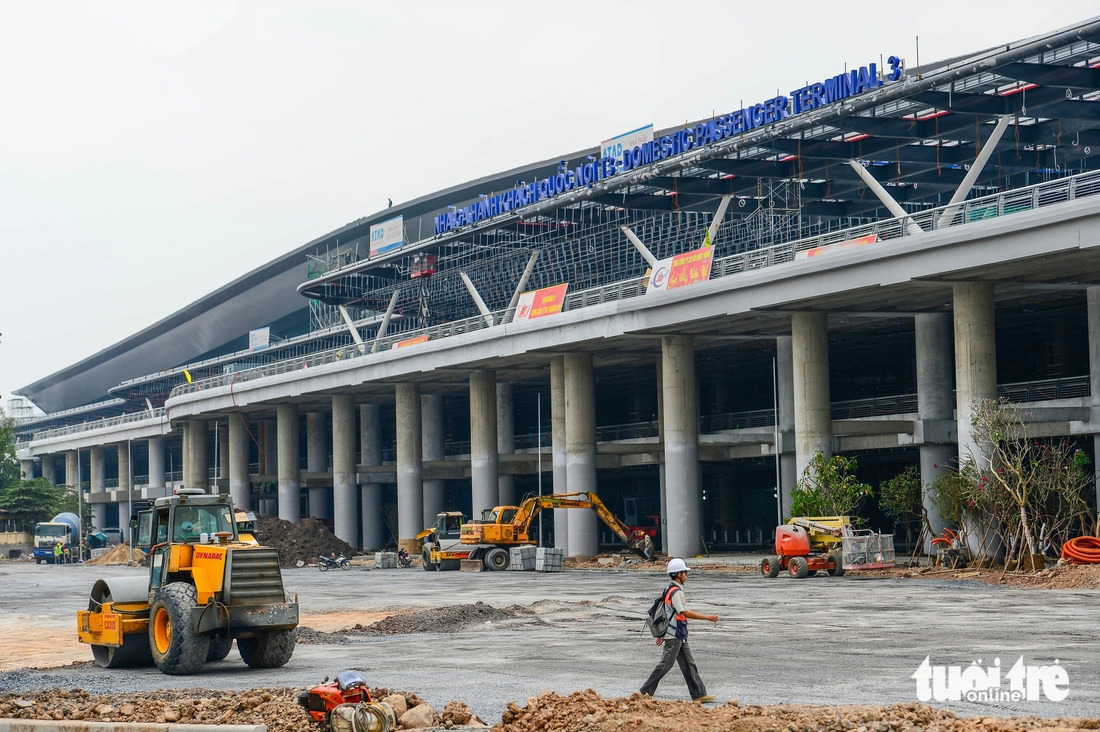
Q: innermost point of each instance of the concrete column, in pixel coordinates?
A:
(98, 482)
(784, 372)
(432, 441)
(240, 483)
(345, 522)
(156, 487)
(975, 357)
(289, 468)
(410, 468)
(580, 450)
(186, 468)
(48, 471)
(681, 432)
(320, 496)
(975, 379)
(934, 386)
(370, 449)
(506, 441)
(484, 461)
(662, 484)
(812, 422)
(72, 468)
(199, 458)
(1093, 298)
(269, 440)
(26, 467)
(222, 458)
(124, 477)
(557, 448)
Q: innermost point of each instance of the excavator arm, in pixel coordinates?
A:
(531, 507)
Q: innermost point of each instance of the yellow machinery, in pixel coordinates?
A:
(508, 526)
(806, 545)
(205, 589)
(441, 545)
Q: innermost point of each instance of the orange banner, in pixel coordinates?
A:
(858, 242)
(411, 341)
(538, 303)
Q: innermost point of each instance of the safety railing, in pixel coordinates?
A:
(99, 424)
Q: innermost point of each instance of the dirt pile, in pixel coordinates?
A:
(1059, 577)
(450, 619)
(300, 542)
(587, 711)
(277, 708)
(116, 555)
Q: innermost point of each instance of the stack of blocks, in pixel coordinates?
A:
(522, 558)
(385, 560)
(548, 559)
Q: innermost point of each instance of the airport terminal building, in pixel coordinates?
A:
(675, 319)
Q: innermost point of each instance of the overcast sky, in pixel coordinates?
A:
(151, 152)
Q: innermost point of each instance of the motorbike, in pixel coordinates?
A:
(327, 563)
(403, 559)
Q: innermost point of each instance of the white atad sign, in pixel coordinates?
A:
(387, 236)
(259, 339)
(614, 147)
(975, 683)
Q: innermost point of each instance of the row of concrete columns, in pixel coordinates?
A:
(803, 406)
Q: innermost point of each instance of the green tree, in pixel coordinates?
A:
(10, 473)
(1030, 492)
(900, 498)
(35, 498)
(828, 487)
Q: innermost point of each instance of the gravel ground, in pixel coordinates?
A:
(852, 640)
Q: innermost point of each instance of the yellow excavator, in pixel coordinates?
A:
(206, 588)
(507, 526)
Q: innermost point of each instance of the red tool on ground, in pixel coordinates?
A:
(345, 705)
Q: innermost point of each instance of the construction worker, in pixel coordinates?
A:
(675, 641)
(57, 551)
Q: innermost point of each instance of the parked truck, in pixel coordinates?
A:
(64, 528)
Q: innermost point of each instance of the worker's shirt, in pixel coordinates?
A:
(679, 626)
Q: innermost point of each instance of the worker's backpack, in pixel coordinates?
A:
(661, 613)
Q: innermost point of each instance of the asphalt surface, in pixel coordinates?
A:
(821, 640)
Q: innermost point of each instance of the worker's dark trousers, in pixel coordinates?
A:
(676, 650)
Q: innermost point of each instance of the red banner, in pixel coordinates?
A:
(539, 303)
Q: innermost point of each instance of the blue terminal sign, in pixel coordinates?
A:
(804, 99)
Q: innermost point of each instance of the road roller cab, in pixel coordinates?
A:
(205, 589)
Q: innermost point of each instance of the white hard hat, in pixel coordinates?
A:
(677, 565)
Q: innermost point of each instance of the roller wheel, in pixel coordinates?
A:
(177, 650)
(134, 651)
(268, 650)
(426, 560)
(496, 559)
(798, 567)
(451, 565)
(771, 567)
(219, 649)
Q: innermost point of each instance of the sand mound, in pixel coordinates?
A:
(119, 554)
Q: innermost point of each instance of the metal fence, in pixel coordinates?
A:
(975, 210)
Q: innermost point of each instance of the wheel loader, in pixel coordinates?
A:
(205, 589)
